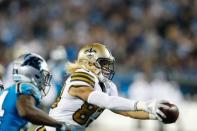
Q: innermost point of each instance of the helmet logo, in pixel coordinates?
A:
(32, 61)
(90, 52)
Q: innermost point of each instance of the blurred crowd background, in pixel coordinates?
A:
(154, 41)
(143, 35)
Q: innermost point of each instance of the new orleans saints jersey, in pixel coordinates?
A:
(74, 110)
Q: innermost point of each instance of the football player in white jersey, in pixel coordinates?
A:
(89, 90)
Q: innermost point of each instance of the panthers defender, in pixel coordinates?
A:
(18, 103)
(89, 90)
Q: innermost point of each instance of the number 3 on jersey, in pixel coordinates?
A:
(2, 98)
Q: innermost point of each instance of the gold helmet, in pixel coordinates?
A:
(99, 56)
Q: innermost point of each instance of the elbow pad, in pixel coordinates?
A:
(116, 103)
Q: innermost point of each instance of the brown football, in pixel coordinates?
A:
(172, 114)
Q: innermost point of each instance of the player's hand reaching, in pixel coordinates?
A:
(154, 108)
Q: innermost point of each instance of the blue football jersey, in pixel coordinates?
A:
(9, 117)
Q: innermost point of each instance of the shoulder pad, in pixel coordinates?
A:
(28, 89)
(82, 78)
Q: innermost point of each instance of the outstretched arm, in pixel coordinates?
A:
(26, 108)
(137, 115)
(119, 104)
(103, 100)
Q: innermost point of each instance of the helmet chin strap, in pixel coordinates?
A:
(102, 78)
(34, 82)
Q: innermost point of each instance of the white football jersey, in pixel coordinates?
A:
(74, 110)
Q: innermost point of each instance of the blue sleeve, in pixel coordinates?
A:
(29, 89)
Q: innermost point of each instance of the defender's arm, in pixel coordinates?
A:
(26, 108)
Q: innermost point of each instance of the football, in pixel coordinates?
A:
(172, 114)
